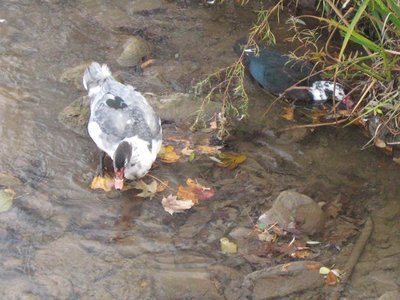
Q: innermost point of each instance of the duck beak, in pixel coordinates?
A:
(119, 179)
(119, 183)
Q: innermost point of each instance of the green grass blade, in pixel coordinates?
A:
(352, 26)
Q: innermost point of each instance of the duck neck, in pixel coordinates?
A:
(122, 155)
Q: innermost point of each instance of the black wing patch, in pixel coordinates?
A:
(116, 103)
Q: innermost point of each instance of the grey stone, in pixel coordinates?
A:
(292, 207)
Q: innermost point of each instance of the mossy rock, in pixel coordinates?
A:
(75, 75)
(135, 49)
(76, 115)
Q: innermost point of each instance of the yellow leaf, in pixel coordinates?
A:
(6, 199)
(105, 183)
(168, 155)
(288, 113)
(148, 190)
(231, 160)
(228, 246)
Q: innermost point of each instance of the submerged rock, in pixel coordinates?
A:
(277, 281)
(74, 75)
(135, 50)
(76, 116)
(291, 208)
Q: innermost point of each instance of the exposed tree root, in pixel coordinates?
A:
(354, 257)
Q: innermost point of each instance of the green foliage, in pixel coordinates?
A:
(368, 58)
(227, 84)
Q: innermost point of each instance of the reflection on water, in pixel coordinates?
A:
(62, 239)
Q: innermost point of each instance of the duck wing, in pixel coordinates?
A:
(120, 112)
(276, 72)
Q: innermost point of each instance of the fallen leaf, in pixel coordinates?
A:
(213, 124)
(285, 267)
(187, 151)
(262, 226)
(162, 186)
(228, 246)
(209, 150)
(324, 270)
(316, 116)
(105, 183)
(194, 191)
(9, 180)
(288, 113)
(172, 205)
(148, 190)
(7, 197)
(379, 142)
(303, 253)
(313, 266)
(267, 237)
(147, 63)
(192, 157)
(331, 278)
(167, 154)
(333, 209)
(231, 160)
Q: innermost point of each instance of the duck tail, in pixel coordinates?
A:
(94, 75)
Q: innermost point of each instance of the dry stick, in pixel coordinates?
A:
(313, 125)
(354, 257)
(161, 182)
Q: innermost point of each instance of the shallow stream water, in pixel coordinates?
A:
(62, 240)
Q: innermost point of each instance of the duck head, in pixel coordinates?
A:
(122, 158)
(320, 92)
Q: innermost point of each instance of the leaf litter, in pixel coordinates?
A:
(7, 197)
(194, 191)
(173, 205)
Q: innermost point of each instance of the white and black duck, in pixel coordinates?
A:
(122, 124)
(277, 73)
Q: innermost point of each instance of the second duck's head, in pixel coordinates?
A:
(122, 157)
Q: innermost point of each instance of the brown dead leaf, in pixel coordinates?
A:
(332, 210)
(285, 267)
(313, 266)
(194, 191)
(209, 150)
(173, 205)
(148, 190)
(231, 160)
(167, 154)
(331, 278)
(148, 63)
(316, 116)
(213, 124)
(302, 253)
(105, 183)
(162, 185)
(288, 113)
